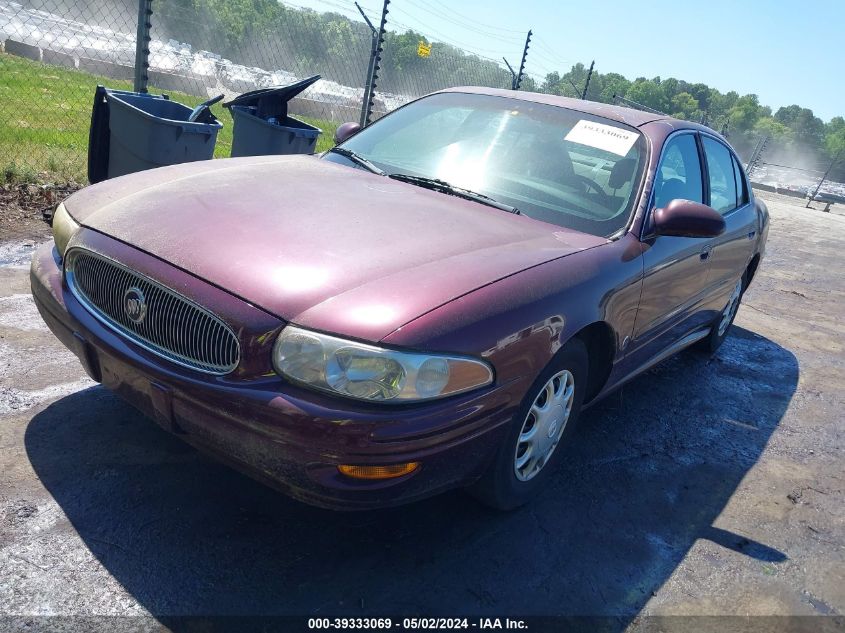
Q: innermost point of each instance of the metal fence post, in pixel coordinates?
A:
(821, 182)
(372, 75)
(522, 65)
(370, 66)
(587, 83)
(755, 156)
(513, 73)
(142, 44)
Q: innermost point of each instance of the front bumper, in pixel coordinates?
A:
(288, 437)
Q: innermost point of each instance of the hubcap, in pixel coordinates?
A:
(730, 309)
(544, 425)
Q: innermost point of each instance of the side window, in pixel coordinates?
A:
(680, 172)
(720, 166)
(741, 187)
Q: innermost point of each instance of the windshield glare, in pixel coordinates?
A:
(556, 165)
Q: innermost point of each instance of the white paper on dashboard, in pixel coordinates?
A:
(606, 137)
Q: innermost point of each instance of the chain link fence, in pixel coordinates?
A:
(406, 75)
(796, 170)
(55, 52)
(205, 52)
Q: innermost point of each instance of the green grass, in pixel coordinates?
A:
(45, 112)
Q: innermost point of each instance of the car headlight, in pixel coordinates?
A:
(368, 372)
(64, 227)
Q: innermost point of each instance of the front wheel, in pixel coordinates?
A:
(538, 434)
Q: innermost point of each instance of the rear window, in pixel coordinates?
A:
(720, 166)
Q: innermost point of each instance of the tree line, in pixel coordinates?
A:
(742, 117)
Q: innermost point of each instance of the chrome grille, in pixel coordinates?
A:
(166, 323)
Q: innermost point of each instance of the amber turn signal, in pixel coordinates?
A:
(378, 472)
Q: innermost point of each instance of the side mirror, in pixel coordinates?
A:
(685, 218)
(344, 131)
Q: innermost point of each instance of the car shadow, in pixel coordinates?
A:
(651, 469)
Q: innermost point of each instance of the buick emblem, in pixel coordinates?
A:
(134, 304)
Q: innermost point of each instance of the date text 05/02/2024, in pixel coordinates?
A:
(410, 624)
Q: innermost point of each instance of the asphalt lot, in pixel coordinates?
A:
(706, 486)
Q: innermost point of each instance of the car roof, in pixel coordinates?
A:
(629, 116)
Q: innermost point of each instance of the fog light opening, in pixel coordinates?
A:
(378, 472)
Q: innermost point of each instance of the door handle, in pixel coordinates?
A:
(705, 253)
(751, 235)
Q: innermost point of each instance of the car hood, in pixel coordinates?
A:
(320, 244)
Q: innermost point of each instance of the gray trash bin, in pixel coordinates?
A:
(262, 125)
(136, 131)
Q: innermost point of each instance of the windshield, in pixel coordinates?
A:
(556, 165)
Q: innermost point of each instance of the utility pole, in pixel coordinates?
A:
(587, 83)
(375, 57)
(142, 45)
(524, 56)
(821, 182)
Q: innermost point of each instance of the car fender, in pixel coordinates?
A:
(762, 226)
(519, 323)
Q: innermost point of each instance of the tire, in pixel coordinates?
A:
(504, 485)
(721, 326)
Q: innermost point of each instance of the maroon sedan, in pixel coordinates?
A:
(426, 306)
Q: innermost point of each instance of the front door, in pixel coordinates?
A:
(675, 269)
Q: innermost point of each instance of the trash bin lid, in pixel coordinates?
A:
(274, 94)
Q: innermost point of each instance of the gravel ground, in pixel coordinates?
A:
(23, 208)
(708, 486)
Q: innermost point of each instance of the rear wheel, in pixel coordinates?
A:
(538, 434)
(722, 325)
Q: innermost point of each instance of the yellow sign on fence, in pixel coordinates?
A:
(423, 49)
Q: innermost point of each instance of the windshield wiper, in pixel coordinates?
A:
(357, 159)
(435, 184)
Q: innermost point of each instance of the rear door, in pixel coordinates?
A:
(728, 194)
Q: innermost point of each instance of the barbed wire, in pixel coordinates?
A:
(471, 26)
(543, 50)
(474, 20)
(426, 29)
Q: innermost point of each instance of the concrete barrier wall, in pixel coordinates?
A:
(234, 84)
(822, 198)
(55, 58)
(13, 47)
(778, 190)
(106, 69)
(323, 110)
(193, 85)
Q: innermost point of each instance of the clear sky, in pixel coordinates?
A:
(785, 52)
